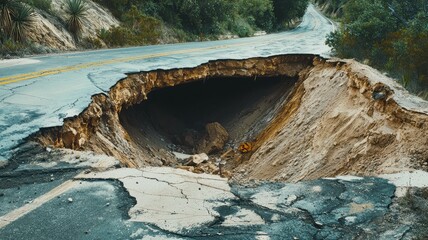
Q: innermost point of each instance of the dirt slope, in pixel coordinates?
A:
(340, 128)
(50, 31)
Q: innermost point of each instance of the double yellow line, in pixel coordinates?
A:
(27, 76)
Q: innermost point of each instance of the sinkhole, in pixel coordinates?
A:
(207, 115)
(149, 117)
(285, 117)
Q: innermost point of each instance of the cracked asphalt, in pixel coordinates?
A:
(166, 203)
(41, 91)
(50, 194)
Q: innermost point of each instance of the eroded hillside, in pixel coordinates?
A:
(49, 29)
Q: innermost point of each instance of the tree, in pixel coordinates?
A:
(259, 13)
(391, 34)
(365, 25)
(287, 10)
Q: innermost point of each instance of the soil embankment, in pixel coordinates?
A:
(288, 117)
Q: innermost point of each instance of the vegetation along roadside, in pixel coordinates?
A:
(391, 35)
(136, 22)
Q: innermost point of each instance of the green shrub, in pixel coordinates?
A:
(22, 20)
(145, 29)
(117, 37)
(241, 27)
(92, 43)
(76, 11)
(11, 47)
(137, 29)
(103, 33)
(7, 7)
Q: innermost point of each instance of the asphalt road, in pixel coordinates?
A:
(144, 205)
(41, 91)
(58, 197)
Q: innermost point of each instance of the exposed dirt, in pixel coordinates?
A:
(344, 120)
(303, 117)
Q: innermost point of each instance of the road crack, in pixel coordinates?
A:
(92, 80)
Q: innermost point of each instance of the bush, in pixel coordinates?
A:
(22, 21)
(203, 18)
(12, 48)
(117, 37)
(257, 13)
(242, 28)
(76, 11)
(137, 29)
(92, 43)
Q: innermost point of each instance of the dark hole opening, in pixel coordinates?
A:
(243, 106)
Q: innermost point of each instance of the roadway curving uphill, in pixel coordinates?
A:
(303, 116)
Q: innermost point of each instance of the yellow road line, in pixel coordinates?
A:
(27, 208)
(26, 76)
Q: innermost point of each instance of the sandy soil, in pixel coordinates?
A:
(340, 128)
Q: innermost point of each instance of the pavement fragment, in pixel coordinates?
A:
(166, 196)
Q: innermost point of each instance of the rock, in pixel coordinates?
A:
(187, 168)
(70, 200)
(378, 95)
(198, 170)
(190, 138)
(3, 163)
(245, 147)
(68, 138)
(81, 142)
(215, 138)
(319, 224)
(197, 159)
(291, 199)
(181, 156)
(226, 174)
(213, 167)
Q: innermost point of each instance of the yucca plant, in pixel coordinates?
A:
(76, 10)
(7, 7)
(22, 20)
